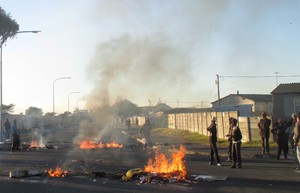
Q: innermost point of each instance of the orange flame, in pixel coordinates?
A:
(35, 144)
(58, 172)
(113, 145)
(164, 167)
(87, 145)
(93, 145)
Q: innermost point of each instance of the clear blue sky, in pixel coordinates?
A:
(146, 51)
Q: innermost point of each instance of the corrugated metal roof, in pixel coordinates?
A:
(257, 97)
(188, 110)
(287, 88)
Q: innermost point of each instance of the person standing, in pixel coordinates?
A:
(297, 137)
(212, 129)
(7, 127)
(290, 132)
(16, 137)
(264, 132)
(146, 128)
(281, 138)
(137, 122)
(236, 145)
(128, 123)
(229, 151)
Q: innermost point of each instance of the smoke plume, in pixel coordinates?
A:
(138, 69)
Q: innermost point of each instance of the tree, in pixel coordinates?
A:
(8, 108)
(125, 108)
(8, 26)
(34, 112)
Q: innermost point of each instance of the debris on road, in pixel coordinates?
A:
(25, 173)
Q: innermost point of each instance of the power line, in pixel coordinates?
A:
(255, 76)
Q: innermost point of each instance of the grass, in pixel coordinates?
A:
(190, 137)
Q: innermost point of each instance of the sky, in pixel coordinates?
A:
(147, 51)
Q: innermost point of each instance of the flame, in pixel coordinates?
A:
(58, 172)
(85, 144)
(113, 145)
(35, 144)
(164, 167)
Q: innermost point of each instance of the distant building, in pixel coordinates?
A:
(246, 104)
(286, 100)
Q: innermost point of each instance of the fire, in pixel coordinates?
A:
(58, 172)
(35, 144)
(173, 167)
(113, 145)
(85, 144)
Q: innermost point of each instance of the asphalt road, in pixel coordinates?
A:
(258, 174)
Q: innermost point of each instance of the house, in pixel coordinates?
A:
(247, 104)
(286, 100)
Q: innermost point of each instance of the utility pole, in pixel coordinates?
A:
(218, 85)
(276, 76)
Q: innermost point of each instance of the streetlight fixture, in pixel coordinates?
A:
(54, 91)
(69, 99)
(1, 45)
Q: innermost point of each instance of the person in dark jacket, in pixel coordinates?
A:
(212, 129)
(264, 132)
(236, 145)
(281, 138)
(7, 127)
(16, 137)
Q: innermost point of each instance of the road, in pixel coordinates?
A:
(259, 175)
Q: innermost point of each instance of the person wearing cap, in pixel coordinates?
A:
(212, 131)
(264, 132)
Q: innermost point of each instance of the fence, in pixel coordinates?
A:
(198, 123)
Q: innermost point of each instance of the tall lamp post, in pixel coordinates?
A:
(1, 47)
(54, 91)
(69, 99)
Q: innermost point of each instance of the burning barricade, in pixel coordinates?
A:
(88, 144)
(57, 173)
(161, 169)
(38, 145)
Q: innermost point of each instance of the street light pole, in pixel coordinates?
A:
(1, 94)
(54, 91)
(69, 99)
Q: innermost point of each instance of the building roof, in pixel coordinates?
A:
(287, 88)
(188, 110)
(253, 97)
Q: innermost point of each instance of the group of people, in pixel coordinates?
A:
(235, 140)
(285, 132)
(12, 131)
